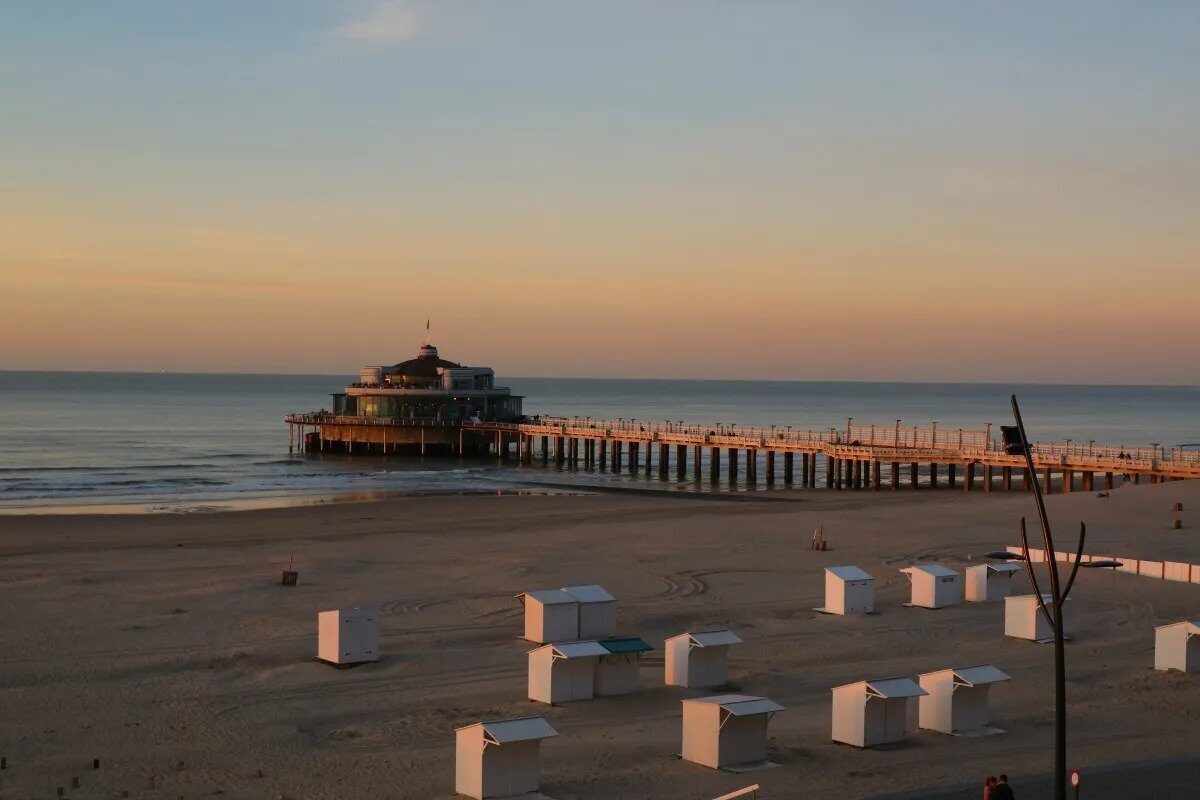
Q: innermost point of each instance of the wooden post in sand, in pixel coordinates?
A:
(714, 464)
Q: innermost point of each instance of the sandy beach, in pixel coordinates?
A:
(164, 646)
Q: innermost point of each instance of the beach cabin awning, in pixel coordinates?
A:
(625, 644)
(936, 570)
(849, 573)
(893, 687)
(515, 730)
(577, 649)
(978, 676)
(1190, 625)
(548, 596)
(741, 705)
(589, 594)
(712, 638)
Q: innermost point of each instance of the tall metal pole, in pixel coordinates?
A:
(1060, 671)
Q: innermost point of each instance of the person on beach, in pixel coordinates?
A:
(988, 785)
(1002, 791)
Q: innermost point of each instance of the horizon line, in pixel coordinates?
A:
(614, 378)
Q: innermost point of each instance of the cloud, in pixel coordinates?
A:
(387, 24)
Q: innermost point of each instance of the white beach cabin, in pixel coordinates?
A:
(1177, 646)
(499, 759)
(990, 583)
(564, 672)
(1023, 618)
(698, 659)
(597, 611)
(956, 700)
(551, 615)
(848, 590)
(870, 713)
(617, 672)
(934, 586)
(727, 730)
(348, 635)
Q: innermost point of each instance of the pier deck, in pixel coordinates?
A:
(855, 457)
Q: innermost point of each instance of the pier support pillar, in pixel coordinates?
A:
(733, 465)
(951, 475)
(875, 467)
(770, 457)
(830, 469)
(1087, 480)
(1137, 478)
(751, 468)
(1068, 484)
(559, 444)
(681, 461)
(697, 452)
(664, 460)
(789, 459)
(1108, 480)
(913, 474)
(895, 475)
(602, 456)
(866, 473)
(1045, 480)
(1006, 478)
(987, 478)
(812, 470)
(616, 455)
(968, 476)
(635, 454)
(714, 464)
(933, 470)
(649, 455)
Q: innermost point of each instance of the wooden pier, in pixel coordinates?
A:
(856, 457)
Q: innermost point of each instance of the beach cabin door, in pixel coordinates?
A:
(968, 708)
(581, 678)
(510, 769)
(742, 739)
(895, 718)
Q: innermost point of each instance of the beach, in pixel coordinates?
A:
(164, 646)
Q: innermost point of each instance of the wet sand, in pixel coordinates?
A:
(164, 646)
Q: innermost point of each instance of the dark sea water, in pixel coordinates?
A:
(175, 442)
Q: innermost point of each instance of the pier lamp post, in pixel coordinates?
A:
(1058, 595)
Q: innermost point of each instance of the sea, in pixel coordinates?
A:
(97, 442)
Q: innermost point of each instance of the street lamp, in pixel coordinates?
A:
(1058, 595)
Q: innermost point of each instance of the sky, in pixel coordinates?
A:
(961, 191)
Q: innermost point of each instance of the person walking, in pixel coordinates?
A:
(988, 785)
(1002, 791)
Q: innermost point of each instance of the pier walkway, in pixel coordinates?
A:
(855, 457)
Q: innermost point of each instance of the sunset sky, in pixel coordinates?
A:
(792, 190)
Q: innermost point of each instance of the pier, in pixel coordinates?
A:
(856, 457)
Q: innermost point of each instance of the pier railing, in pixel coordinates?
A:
(853, 441)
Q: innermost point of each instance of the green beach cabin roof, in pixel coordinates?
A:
(625, 644)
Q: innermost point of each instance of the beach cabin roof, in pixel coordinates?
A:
(740, 705)
(514, 730)
(1192, 626)
(625, 644)
(577, 649)
(712, 638)
(889, 687)
(980, 675)
(548, 596)
(589, 594)
(1003, 567)
(936, 570)
(849, 573)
